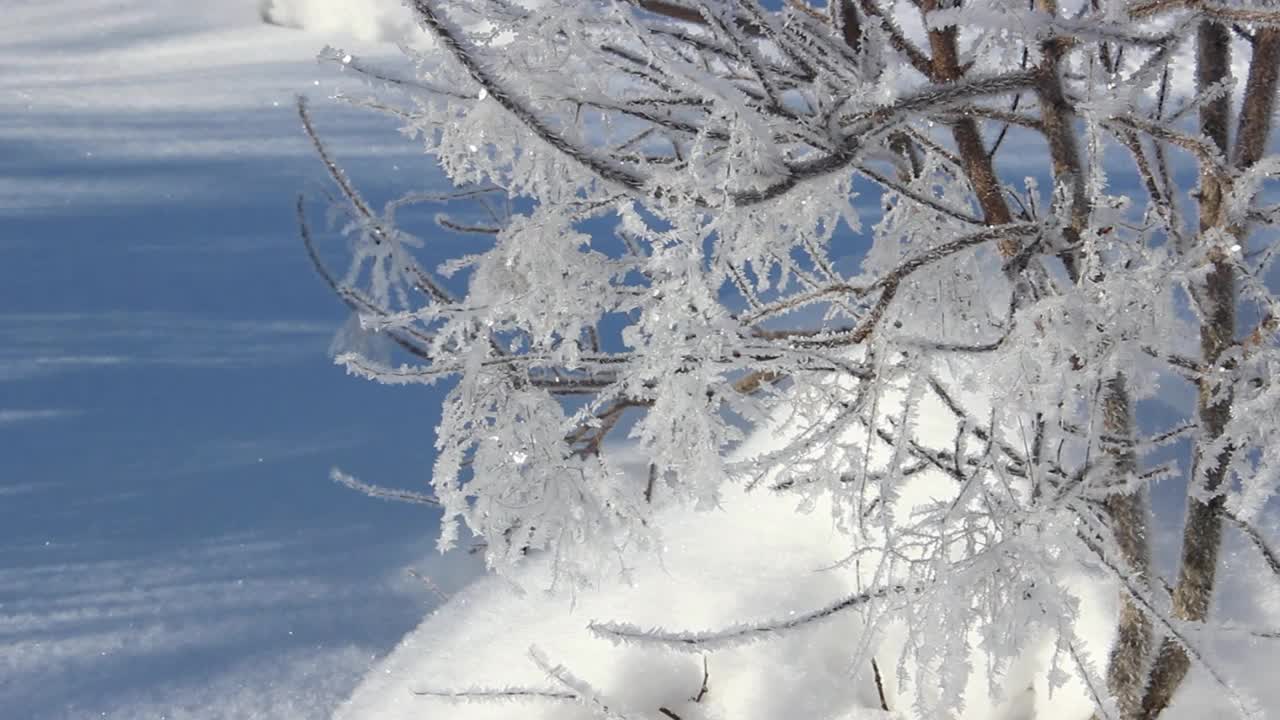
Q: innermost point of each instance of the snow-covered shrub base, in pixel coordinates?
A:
(753, 559)
(984, 410)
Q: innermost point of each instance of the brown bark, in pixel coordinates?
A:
(1202, 534)
(1260, 100)
(1058, 124)
(844, 16)
(1213, 65)
(846, 20)
(978, 167)
(1127, 512)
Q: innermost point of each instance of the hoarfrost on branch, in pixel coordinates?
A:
(919, 244)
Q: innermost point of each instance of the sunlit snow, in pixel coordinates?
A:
(97, 86)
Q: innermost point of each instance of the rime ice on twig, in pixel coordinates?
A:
(727, 637)
(382, 493)
(911, 256)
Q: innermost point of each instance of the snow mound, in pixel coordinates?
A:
(753, 559)
(365, 20)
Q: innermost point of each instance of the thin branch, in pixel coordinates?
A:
(739, 634)
(502, 694)
(381, 233)
(888, 281)
(1269, 554)
(450, 37)
(382, 493)
(875, 670)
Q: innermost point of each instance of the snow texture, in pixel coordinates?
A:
(367, 20)
(170, 546)
(755, 558)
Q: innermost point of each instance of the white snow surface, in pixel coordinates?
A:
(152, 81)
(755, 558)
(86, 73)
(126, 107)
(368, 20)
(760, 557)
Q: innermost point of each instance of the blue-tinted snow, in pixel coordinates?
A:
(170, 545)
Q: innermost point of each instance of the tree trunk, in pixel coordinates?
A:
(1202, 534)
(1127, 512)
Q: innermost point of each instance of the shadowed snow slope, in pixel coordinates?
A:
(169, 545)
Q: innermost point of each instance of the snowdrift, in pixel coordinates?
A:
(754, 559)
(366, 20)
(507, 647)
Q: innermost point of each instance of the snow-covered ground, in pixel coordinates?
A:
(507, 647)
(170, 546)
(367, 20)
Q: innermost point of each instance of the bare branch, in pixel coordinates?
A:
(382, 493)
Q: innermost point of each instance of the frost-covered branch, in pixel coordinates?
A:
(946, 257)
(382, 493)
(699, 641)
